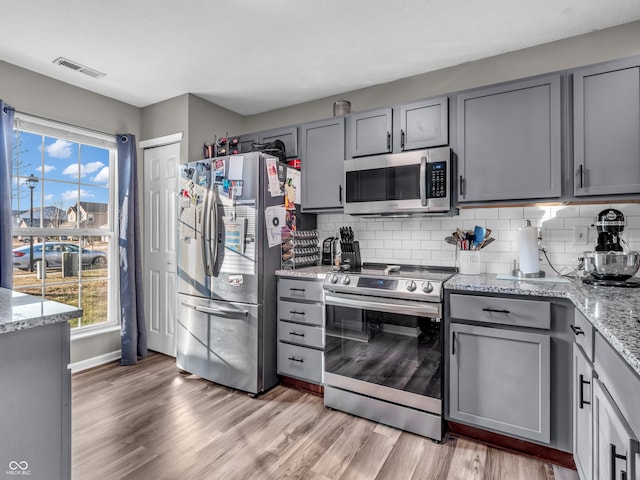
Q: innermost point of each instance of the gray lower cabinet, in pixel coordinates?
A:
(301, 328)
(582, 417)
(500, 379)
(509, 141)
(322, 154)
(615, 453)
(606, 128)
(36, 397)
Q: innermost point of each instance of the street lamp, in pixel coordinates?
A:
(32, 182)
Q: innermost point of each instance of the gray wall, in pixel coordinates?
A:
(166, 118)
(608, 44)
(36, 94)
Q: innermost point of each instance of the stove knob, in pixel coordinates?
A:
(346, 280)
(333, 278)
(410, 285)
(427, 287)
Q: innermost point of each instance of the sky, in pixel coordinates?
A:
(67, 172)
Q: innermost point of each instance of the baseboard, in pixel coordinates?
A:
(95, 361)
(548, 454)
(302, 385)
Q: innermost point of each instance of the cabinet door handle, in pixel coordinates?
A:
(583, 382)
(453, 343)
(295, 312)
(388, 141)
(401, 139)
(302, 335)
(581, 175)
(297, 289)
(493, 310)
(461, 186)
(294, 359)
(577, 330)
(340, 193)
(613, 457)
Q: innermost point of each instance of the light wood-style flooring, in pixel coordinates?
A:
(149, 421)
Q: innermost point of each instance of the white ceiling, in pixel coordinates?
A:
(252, 56)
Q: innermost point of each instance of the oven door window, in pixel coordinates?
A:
(398, 351)
(384, 184)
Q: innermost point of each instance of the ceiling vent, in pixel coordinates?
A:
(65, 62)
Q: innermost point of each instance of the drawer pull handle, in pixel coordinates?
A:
(294, 359)
(297, 289)
(295, 312)
(615, 456)
(577, 330)
(583, 382)
(296, 334)
(453, 344)
(493, 310)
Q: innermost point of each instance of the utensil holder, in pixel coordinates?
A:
(469, 262)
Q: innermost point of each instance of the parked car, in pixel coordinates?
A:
(53, 255)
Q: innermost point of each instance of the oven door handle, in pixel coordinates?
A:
(422, 309)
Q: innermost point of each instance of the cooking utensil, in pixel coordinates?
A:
(485, 242)
(479, 234)
(612, 265)
(450, 240)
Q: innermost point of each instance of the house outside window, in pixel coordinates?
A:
(63, 204)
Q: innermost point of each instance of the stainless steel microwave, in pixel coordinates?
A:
(406, 183)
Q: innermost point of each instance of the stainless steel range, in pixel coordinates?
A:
(384, 344)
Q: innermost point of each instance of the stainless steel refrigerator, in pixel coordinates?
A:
(226, 328)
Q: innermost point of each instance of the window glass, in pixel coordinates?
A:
(62, 204)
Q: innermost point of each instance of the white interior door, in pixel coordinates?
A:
(160, 183)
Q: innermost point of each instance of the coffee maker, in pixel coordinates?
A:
(609, 225)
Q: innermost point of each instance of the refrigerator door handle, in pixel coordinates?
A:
(204, 224)
(213, 239)
(217, 311)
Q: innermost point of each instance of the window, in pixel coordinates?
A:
(63, 204)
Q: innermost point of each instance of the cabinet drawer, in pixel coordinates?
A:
(507, 311)
(583, 331)
(300, 289)
(300, 362)
(312, 314)
(301, 334)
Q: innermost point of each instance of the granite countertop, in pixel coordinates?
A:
(613, 311)
(306, 272)
(19, 311)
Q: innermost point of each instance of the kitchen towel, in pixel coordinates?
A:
(528, 249)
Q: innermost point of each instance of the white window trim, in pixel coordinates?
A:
(40, 126)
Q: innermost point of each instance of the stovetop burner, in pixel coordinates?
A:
(598, 282)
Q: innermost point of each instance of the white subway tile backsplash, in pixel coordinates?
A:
(421, 240)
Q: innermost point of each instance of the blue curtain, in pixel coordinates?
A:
(134, 332)
(6, 156)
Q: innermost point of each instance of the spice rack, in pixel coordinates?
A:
(300, 248)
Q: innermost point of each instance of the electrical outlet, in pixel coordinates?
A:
(580, 234)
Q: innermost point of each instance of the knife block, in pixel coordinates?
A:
(351, 257)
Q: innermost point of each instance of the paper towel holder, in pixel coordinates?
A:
(516, 272)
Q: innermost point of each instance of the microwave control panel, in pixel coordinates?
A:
(437, 180)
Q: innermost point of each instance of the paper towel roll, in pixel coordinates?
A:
(528, 250)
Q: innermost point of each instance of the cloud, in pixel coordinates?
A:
(48, 198)
(59, 149)
(72, 195)
(102, 176)
(91, 167)
(46, 168)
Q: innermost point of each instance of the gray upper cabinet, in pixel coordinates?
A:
(410, 126)
(246, 141)
(424, 124)
(370, 132)
(606, 141)
(288, 135)
(322, 154)
(509, 141)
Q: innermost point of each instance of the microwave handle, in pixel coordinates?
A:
(423, 181)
